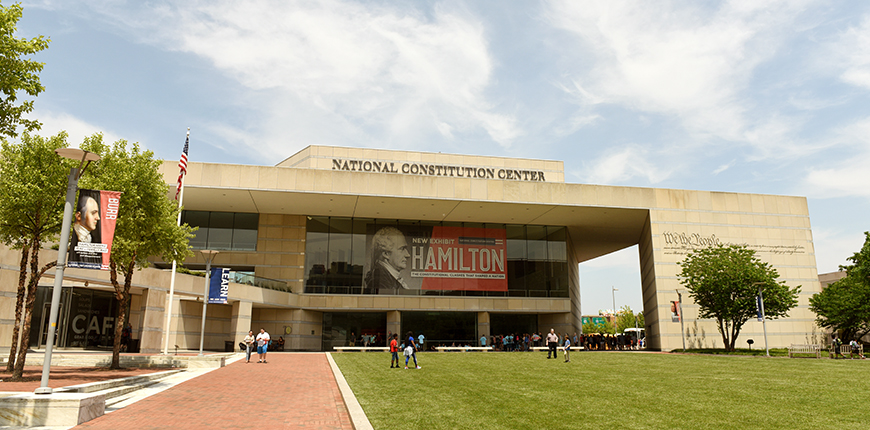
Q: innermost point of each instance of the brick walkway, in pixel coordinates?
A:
(293, 390)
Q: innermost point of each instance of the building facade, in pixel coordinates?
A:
(337, 245)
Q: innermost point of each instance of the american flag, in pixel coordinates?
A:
(182, 164)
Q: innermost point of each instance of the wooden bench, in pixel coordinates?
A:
(805, 349)
(463, 348)
(845, 349)
(361, 348)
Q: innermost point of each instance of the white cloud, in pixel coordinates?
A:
(623, 165)
(844, 176)
(853, 47)
(77, 129)
(833, 246)
(367, 70)
(676, 59)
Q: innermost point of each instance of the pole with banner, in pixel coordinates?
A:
(679, 309)
(760, 304)
(219, 285)
(179, 194)
(209, 257)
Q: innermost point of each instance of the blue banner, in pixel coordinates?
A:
(758, 308)
(219, 285)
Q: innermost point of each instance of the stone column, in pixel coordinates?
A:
(153, 319)
(483, 327)
(241, 321)
(394, 323)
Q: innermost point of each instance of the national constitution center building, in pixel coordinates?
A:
(333, 243)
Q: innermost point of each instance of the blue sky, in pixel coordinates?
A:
(746, 96)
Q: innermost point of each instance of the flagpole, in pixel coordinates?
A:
(174, 264)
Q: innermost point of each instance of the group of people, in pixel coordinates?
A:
(854, 348)
(409, 348)
(262, 340)
(365, 340)
(610, 342)
(513, 342)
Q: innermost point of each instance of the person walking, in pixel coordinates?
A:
(483, 341)
(394, 351)
(420, 340)
(552, 342)
(567, 346)
(249, 345)
(411, 351)
(262, 345)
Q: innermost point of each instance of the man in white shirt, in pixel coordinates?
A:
(552, 342)
(262, 345)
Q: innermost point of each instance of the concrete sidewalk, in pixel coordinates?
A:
(292, 390)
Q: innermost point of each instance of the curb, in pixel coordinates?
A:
(357, 415)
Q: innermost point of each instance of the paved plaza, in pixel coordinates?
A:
(292, 390)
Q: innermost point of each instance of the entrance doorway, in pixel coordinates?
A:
(344, 328)
(441, 328)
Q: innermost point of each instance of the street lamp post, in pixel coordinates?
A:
(763, 318)
(682, 327)
(613, 291)
(71, 187)
(209, 256)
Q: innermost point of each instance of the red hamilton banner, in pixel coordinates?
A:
(435, 258)
(458, 258)
(93, 229)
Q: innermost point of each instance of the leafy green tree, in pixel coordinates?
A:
(605, 327)
(860, 267)
(723, 281)
(626, 319)
(146, 223)
(844, 306)
(33, 183)
(17, 73)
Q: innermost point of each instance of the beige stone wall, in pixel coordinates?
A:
(320, 158)
(281, 249)
(777, 227)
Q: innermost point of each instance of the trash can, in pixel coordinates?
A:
(228, 346)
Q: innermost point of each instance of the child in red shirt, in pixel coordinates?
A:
(394, 349)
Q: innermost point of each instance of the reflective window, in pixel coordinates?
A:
(339, 259)
(223, 230)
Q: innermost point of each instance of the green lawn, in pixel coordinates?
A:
(608, 390)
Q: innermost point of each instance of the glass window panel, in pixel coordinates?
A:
(358, 251)
(221, 220)
(246, 221)
(316, 247)
(245, 240)
(220, 238)
(537, 242)
(200, 238)
(340, 243)
(516, 242)
(557, 245)
(195, 218)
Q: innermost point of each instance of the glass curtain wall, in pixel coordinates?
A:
(336, 252)
(229, 231)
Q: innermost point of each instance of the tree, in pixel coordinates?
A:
(605, 327)
(723, 281)
(845, 305)
(626, 319)
(33, 183)
(146, 223)
(860, 267)
(17, 73)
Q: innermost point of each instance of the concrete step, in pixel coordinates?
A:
(142, 361)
